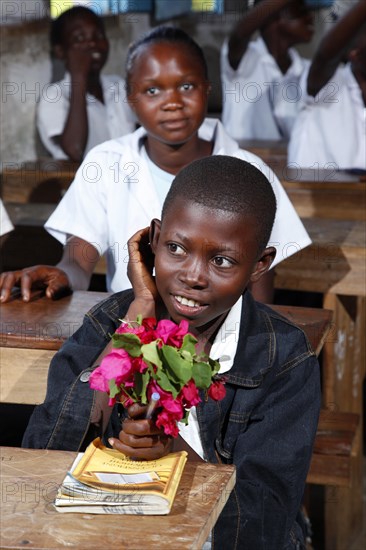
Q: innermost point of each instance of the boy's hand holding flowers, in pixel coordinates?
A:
(149, 357)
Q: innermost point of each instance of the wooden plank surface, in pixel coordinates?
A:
(335, 262)
(29, 480)
(23, 375)
(30, 334)
(43, 180)
(44, 323)
(314, 192)
(323, 193)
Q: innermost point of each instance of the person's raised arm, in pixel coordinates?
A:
(252, 21)
(333, 46)
(74, 137)
(73, 272)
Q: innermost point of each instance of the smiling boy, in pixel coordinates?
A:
(209, 245)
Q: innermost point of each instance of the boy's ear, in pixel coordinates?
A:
(155, 227)
(263, 264)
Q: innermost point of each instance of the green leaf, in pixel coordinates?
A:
(145, 378)
(189, 344)
(177, 365)
(202, 375)
(215, 366)
(113, 388)
(166, 384)
(138, 384)
(150, 353)
(129, 342)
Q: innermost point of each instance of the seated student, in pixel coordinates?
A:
(122, 183)
(210, 243)
(260, 78)
(330, 129)
(86, 107)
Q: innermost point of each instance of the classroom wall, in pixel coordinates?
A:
(26, 68)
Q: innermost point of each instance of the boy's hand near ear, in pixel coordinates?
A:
(139, 270)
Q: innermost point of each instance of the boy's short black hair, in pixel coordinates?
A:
(227, 183)
(164, 33)
(58, 25)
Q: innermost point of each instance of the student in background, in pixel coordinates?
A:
(330, 131)
(210, 244)
(86, 107)
(122, 183)
(260, 77)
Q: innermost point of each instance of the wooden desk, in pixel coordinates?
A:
(43, 180)
(335, 265)
(29, 481)
(31, 333)
(323, 193)
(264, 147)
(320, 193)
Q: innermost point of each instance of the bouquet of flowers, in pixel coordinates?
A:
(150, 357)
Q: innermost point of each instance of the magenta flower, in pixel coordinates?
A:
(190, 394)
(217, 390)
(170, 333)
(168, 423)
(140, 366)
(116, 365)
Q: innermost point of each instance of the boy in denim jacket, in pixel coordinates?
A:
(210, 243)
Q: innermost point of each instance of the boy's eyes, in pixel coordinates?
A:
(174, 248)
(218, 261)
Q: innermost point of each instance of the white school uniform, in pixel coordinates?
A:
(112, 119)
(330, 131)
(114, 194)
(259, 102)
(5, 223)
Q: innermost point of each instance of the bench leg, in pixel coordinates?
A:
(343, 375)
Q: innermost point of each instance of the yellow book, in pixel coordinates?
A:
(104, 481)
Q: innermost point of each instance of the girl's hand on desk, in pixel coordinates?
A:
(140, 438)
(52, 279)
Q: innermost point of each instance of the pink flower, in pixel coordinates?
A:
(190, 394)
(170, 333)
(145, 332)
(168, 423)
(217, 390)
(167, 401)
(116, 365)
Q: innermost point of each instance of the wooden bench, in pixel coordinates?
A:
(335, 446)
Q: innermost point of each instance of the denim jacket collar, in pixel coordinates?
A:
(257, 344)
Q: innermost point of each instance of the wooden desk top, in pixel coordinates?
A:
(31, 333)
(42, 180)
(264, 147)
(335, 261)
(29, 481)
(44, 323)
